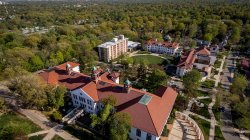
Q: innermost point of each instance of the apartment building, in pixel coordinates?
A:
(162, 47)
(113, 49)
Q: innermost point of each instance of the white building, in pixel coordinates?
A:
(148, 120)
(162, 47)
(113, 49)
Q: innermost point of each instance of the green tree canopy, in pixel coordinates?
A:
(191, 82)
(120, 126)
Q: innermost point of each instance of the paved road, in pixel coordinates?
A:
(228, 72)
(227, 129)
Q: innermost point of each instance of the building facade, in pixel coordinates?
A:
(200, 59)
(87, 92)
(162, 47)
(113, 49)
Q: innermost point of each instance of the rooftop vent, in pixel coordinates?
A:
(145, 99)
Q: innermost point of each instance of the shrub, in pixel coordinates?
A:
(165, 131)
(56, 116)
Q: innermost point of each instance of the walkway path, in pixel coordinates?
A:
(51, 128)
(213, 120)
(217, 77)
(153, 54)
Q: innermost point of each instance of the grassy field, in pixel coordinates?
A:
(13, 125)
(218, 134)
(204, 126)
(149, 59)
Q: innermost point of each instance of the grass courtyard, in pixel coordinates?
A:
(148, 59)
(13, 125)
(204, 126)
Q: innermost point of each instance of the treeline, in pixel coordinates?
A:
(75, 30)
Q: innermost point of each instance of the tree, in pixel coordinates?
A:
(31, 90)
(3, 106)
(102, 118)
(191, 82)
(239, 85)
(55, 96)
(36, 63)
(208, 37)
(155, 79)
(120, 126)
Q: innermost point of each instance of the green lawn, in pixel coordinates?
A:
(13, 125)
(206, 101)
(203, 111)
(201, 93)
(39, 137)
(56, 137)
(218, 134)
(149, 59)
(204, 126)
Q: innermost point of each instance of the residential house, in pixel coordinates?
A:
(199, 59)
(149, 112)
(162, 47)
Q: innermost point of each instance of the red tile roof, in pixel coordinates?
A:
(165, 44)
(63, 66)
(150, 118)
(203, 51)
(187, 59)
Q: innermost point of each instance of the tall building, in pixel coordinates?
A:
(113, 49)
(149, 112)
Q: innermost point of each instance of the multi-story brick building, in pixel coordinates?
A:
(113, 49)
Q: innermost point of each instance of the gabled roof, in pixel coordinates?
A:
(203, 51)
(187, 59)
(165, 43)
(150, 117)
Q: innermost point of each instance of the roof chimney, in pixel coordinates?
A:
(95, 74)
(68, 68)
(127, 85)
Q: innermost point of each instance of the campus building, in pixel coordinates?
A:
(162, 47)
(149, 112)
(200, 59)
(113, 49)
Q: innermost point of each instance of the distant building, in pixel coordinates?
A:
(132, 46)
(162, 47)
(113, 49)
(203, 43)
(199, 59)
(149, 112)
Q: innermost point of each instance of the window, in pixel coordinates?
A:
(138, 132)
(84, 100)
(89, 102)
(149, 136)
